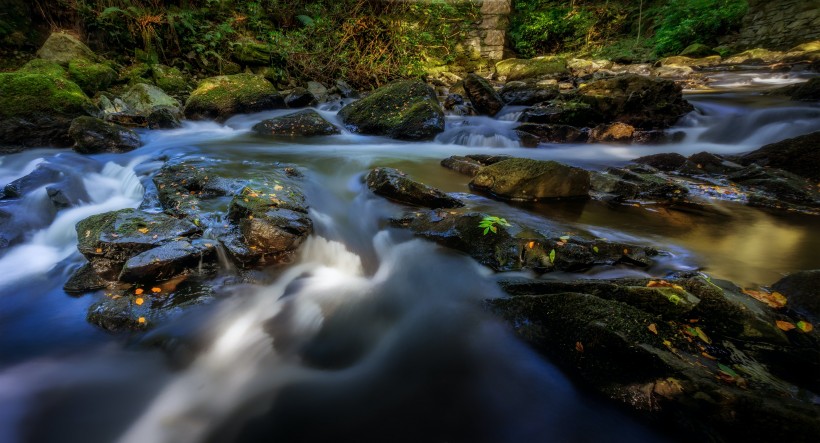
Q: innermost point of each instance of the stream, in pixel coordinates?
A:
(370, 334)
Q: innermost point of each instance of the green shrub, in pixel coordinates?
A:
(683, 22)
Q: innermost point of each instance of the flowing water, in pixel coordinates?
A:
(370, 335)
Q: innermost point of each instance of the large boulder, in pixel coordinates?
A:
(612, 133)
(62, 48)
(532, 180)
(395, 185)
(37, 109)
(225, 95)
(93, 136)
(482, 95)
(643, 102)
(697, 50)
(564, 112)
(808, 91)
(307, 123)
(551, 133)
(522, 93)
(144, 99)
(534, 68)
(405, 110)
(799, 155)
(92, 77)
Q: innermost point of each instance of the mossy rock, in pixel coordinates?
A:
(251, 53)
(171, 80)
(93, 136)
(37, 109)
(539, 67)
(225, 95)
(136, 73)
(698, 50)
(144, 99)
(755, 55)
(395, 185)
(811, 46)
(90, 76)
(44, 67)
(531, 180)
(405, 110)
(63, 48)
(560, 112)
(307, 123)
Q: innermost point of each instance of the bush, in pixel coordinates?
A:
(683, 22)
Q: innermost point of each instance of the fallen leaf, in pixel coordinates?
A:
(579, 346)
(668, 388)
(710, 357)
(784, 325)
(564, 238)
(143, 230)
(653, 328)
(727, 370)
(773, 300)
(805, 326)
(663, 284)
(139, 301)
(98, 250)
(595, 249)
(141, 320)
(702, 335)
(552, 256)
(531, 244)
(139, 291)
(156, 290)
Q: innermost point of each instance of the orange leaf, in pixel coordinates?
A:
(156, 290)
(773, 300)
(805, 326)
(579, 346)
(784, 325)
(531, 244)
(653, 328)
(141, 320)
(143, 230)
(138, 291)
(98, 250)
(710, 357)
(139, 301)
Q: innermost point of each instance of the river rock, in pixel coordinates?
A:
(697, 50)
(62, 48)
(83, 280)
(37, 109)
(109, 240)
(93, 136)
(612, 133)
(470, 164)
(307, 123)
(144, 99)
(482, 95)
(665, 162)
(562, 112)
(808, 91)
(345, 89)
(225, 95)
(778, 186)
(643, 102)
(627, 184)
(707, 163)
(798, 155)
(171, 80)
(395, 185)
(522, 93)
(42, 174)
(90, 76)
(182, 187)
(300, 98)
(553, 133)
(582, 68)
(532, 180)
(406, 110)
(516, 247)
(168, 260)
(534, 68)
(802, 290)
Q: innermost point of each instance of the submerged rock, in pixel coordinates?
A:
(798, 155)
(532, 180)
(405, 110)
(93, 136)
(225, 95)
(395, 185)
(482, 95)
(307, 123)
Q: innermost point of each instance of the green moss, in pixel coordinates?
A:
(24, 94)
(136, 73)
(228, 94)
(171, 80)
(91, 77)
(516, 69)
(44, 67)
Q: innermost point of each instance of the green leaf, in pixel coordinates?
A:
(486, 230)
(494, 229)
(727, 370)
(307, 21)
(564, 237)
(595, 249)
(552, 256)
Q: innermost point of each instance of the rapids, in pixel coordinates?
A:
(370, 335)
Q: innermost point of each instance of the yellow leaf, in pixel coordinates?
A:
(653, 328)
(702, 335)
(143, 230)
(139, 301)
(138, 291)
(784, 325)
(773, 300)
(278, 188)
(710, 357)
(98, 250)
(531, 244)
(156, 290)
(141, 320)
(805, 326)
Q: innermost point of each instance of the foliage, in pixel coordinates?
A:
(489, 223)
(683, 22)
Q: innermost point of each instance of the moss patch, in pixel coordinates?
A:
(221, 96)
(90, 76)
(44, 67)
(25, 94)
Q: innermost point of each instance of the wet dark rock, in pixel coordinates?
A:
(93, 136)
(532, 180)
(453, 100)
(560, 112)
(546, 133)
(522, 93)
(462, 165)
(798, 155)
(405, 110)
(518, 247)
(808, 91)
(182, 187)
(655, 137)
(85, 279)
(116, 314)
(163, 118)
(482, 95)
(67, 193)
(612, 133)
(307, 123)
(109, 240)
(41, 175)
(640, 101)
(346, 90)
(629, 184)
(664, 162)
(706, 163)
(168, 260)
(300, 98)
(802, 290)
(395, 185)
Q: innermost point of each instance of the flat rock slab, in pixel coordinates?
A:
(395, 185)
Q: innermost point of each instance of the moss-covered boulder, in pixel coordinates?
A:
(144, 99)
(405, 110)
(534, 68)
(531, 180)
(643, 102)
(482, 95)
(171, 80)
(697, 50)
(754, 56)
(225, 95)
(522, 93)
(564, 112)
(799, 155)
(37, 109)
(63, 48)
(94, 136)
(251, 53)
(395, 185)
(90, 76)
(307, 123)
(44, 67)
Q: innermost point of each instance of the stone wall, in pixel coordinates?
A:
(488, 35)
(779, 24)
